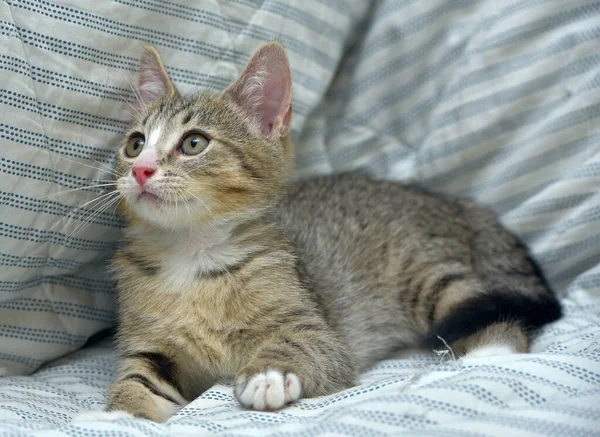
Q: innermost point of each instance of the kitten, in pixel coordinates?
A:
(226, 272)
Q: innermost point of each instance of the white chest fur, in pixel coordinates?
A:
(183, 256)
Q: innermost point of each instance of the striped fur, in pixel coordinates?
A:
(226, 273)
(501, 96)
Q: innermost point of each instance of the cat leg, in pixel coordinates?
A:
(483, 324)
(147, 387)
(461, 314)
(501, 338)
(294, 364)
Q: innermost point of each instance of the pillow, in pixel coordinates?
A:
(498, 101)
(67, 71)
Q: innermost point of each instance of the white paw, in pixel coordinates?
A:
(268, 391)
(491, 350)
(104, 416)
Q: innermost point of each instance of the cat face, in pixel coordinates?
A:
(198, 159)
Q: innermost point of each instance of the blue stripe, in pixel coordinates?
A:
(95, 56)
(507, 95)
(21, 101)
(53, 78)
(569, 251)
(50, 175)
(419, 110)
(481, 394)
(47, 336)
(581, 373)
(29, 362)
(587, 170)
(47, 236)
(45, 206)
(516, 63)
(100, 286)
(139, 33)
(574, 268)
(40, 262)
(92, 88)
(338, 6)
(234, 27)
(534, 163)
(527, 117)
(588, 215)
(75, 150)
(299, 16)
(591, 280)
(166, 40)
(549, 205)
(511, 373)
(540, 26)
(375, 41)
(501, 207)
(394, 96)
(534, 425)
(66, 309)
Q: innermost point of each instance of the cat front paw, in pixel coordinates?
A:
(267, 391)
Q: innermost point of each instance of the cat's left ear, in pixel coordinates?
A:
(264, 90)
(154, 80)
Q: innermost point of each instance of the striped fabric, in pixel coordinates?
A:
(498, 100)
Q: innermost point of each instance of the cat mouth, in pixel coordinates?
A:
(146, 196)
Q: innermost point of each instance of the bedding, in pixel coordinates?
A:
(494, 100)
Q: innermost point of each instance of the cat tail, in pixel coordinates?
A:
(497, 317)
(515, 298)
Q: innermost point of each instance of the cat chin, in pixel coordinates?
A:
(150, 199)
(168, 216)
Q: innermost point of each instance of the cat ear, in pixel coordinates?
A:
(154, 80)
(264, 90)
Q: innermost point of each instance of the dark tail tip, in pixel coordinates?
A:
(481, 311)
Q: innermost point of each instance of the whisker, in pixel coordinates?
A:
(201, 201)
(202, 184)
(85, 224)
(74, 210)
(59, 193)
(108, 167)
(187, 205)
(217, 200)
(138, 95)
(114, 173)
(122, 109)
(126, 100)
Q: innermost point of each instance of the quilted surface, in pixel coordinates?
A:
(66, 74)
(496, 100)
(552, 393)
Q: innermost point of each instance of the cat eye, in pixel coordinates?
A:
(134, 146)
(193, 144)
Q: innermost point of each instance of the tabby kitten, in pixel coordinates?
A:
(226, 272)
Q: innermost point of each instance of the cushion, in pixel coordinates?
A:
(498, 101)
(68, 71)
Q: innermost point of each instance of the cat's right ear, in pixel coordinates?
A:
(154, 80)
(264, 90)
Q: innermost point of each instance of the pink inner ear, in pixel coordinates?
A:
(264, 89)
(154, 81)
(274, 100)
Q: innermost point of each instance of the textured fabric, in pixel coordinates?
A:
(555, 393)
(495, 100)
(66, 70)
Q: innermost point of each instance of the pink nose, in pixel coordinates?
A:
(141, 173)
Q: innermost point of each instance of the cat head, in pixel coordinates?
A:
(193, 160)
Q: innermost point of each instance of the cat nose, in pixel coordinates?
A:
(141, 173)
